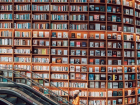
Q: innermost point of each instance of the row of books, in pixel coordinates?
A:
(22, 42)
(40, 26)
(6, 16)
(137, 45)
(6, 7)
(128, 53)
(114, 53)
(128, 20)
(22, 59)
(60, 60)
(97, 94)
(6, 66)
(59, 52)
(22, 51)
(97, 18)
(22, 25)
(40, 0)
(82, 93)
(5, 0)
(78, 69)
(40, 43)
(59, 35)
(96, 8)
(130, 100)
(79, 35)
(97, 77)
(78, 61)
(59, 1)
(113, 9)
(3, 50)
(78, 44)
(6, 34)
(59, 8)
(115, 77)
(137, 5)
(59, 26)
(6, 59)
(137, 30)
(6, 41)
(115, 93)
(100, 102)
(22, 16)
(7, 74)
(42, 75)
(40, 60)
(59, 68)
(114, 62)
(59, 17)
(96, 44)
(128, 45)
(78, 27)
(128, 37)
(113, 45)
(59, 76)
(65, 43)
(20, 67)
(96, 61)
(97, 84)
(38, 67)
(137, 22)
(22, 73)
(83, 1)
(77, 85)
(128, 11)
(40, 34)
(77, 17)
(60, 93)
(77, 8)
(40, 7)
(39, 16)
(114, 18)
(137, 14)
(129, 76)
(78, 52)
(22, 34)
(78, 76)
(41, 51)
(128, 29)
(128, 3)
(25, 7)
(60, 84)
(5, 25)
(97, 53)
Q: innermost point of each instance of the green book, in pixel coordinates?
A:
(125, 37)
(41, 82)
(102, 8)
(120, 84)
(114, 93)
(119, 93)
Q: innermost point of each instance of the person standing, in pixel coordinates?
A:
(76, 98)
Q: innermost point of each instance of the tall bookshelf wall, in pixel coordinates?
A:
(89, 32)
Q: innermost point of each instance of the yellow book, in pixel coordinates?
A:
(113, 77)
(43, 51)
(130, 3)
(78, 35)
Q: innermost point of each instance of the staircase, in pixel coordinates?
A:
(12, 91)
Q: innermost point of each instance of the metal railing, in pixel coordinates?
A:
(41, 86)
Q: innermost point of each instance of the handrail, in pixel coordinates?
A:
(40, 86)
(19, 86)
(45, 81)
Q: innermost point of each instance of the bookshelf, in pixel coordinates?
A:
(97, 48)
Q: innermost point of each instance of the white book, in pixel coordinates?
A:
(97, 26)
(96, 69)
(65, 52)
(102, 36)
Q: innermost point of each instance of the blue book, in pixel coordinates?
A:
(4, 80)
(109, 8)
(96, 8)
(84, 44)
(125, 69)
(138, 91)
(54, 34)
(91, 76)
(72, 43)
(133, 77)
(138, 54)
(46, 92)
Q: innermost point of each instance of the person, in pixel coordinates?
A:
(76, 98)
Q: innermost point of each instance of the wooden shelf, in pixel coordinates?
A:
(69, 48)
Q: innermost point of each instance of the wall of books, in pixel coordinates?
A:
(92, 45)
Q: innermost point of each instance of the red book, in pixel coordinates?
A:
(134, 84)
(78, 76)
(125, 62)
(77, 44)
